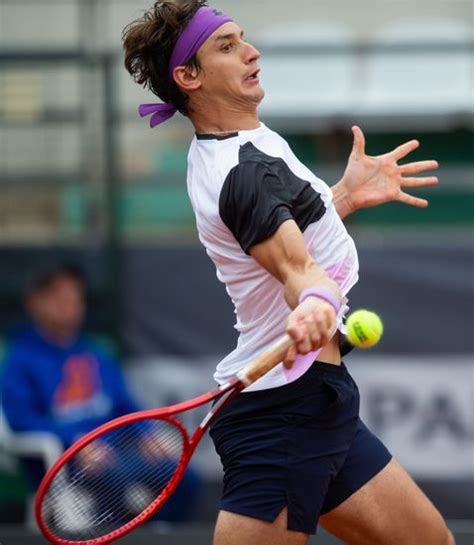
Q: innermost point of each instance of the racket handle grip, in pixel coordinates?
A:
(266, 361)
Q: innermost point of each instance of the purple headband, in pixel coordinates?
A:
(205, 21)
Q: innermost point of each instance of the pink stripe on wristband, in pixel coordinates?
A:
(323, 294)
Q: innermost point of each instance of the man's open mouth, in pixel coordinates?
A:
(253, 75)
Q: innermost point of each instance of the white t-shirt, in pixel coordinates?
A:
(242, 188)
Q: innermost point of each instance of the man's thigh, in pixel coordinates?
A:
(389, 510)
(234, 529)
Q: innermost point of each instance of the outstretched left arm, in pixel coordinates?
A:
(370, 181)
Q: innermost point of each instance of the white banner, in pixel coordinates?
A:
(421, 408)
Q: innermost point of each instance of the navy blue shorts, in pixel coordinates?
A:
(300, 446)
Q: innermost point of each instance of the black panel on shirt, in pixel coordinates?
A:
(260, 193)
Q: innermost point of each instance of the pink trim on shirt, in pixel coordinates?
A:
(340, 273)
(302, 364)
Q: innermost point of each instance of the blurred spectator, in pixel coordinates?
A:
(56, 380)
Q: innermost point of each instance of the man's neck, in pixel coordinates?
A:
(63, 339)
(219, 121)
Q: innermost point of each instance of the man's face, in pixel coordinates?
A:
(59, 307)
(229, 70)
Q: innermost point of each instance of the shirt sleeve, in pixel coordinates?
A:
(253, 203)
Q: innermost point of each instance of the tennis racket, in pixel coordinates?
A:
(86, 497)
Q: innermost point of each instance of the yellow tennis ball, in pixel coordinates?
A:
(364, 328)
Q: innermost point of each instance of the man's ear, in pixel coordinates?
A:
(187, 78)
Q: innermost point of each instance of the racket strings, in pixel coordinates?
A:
(78, 490)
(112, 480)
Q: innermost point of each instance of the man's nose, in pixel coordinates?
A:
(252, 54)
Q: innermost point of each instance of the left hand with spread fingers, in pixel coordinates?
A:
(369, 181)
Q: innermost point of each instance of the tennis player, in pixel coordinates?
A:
(293, 447)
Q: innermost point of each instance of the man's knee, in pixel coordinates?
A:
(449, 538)
(445, 538)
(441, 536)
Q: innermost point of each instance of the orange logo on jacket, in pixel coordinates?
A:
(80, 381)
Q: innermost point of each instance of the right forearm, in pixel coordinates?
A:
(286, 257)
(297, 279)
(312, 323)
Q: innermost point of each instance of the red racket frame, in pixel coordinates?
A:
(225, 392)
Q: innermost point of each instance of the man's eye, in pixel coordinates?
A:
(227, 47)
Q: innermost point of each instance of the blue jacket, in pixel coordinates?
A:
(64, 390)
